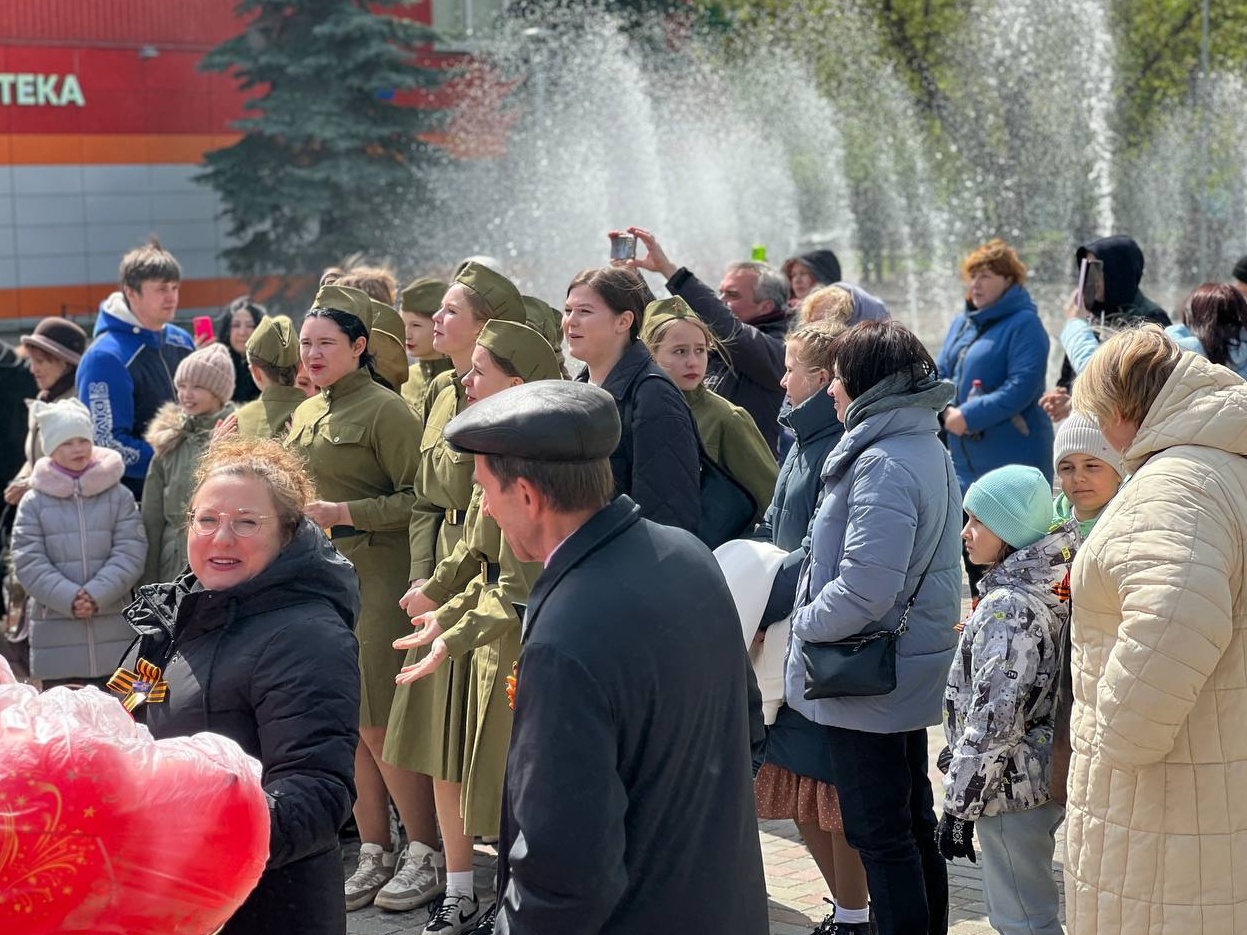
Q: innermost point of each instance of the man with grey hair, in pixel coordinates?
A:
(749, 315)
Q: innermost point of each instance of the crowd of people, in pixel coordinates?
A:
(441, 579)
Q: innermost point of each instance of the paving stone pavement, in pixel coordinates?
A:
(794, 885)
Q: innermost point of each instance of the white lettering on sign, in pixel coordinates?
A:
(25, 89)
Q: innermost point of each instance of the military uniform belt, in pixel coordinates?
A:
(344, 532)
(456, 517)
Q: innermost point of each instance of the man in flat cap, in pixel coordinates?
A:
(629, 801)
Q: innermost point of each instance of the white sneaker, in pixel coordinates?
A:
(421, 875)
(376, 866)
(453, 915)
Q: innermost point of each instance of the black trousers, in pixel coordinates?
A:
(889, 818)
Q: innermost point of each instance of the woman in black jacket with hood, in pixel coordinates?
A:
(656, 462)
(256, 643)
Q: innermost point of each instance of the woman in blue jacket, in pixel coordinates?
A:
(999, 342)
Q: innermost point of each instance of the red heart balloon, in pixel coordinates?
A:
(104, 830)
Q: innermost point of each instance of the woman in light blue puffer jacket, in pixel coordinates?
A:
(891, 511)
(1213, 324)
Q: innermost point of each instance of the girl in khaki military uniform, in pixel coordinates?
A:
(478, 587)
(273, 360)
(681, 343)
(428, 723)
(360, 442)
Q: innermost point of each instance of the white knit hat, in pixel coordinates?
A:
(1079, 435)
(61, 421)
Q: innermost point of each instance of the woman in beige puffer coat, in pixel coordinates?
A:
(1157, 811)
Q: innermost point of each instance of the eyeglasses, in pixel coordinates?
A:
(207, 522)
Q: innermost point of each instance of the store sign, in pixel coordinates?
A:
(25, 89)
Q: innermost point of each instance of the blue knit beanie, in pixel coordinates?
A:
(1014, 502)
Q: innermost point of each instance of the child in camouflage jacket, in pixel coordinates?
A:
(999, 699)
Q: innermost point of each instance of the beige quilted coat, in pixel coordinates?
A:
(1157, 815)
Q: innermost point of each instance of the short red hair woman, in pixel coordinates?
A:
(996, 355)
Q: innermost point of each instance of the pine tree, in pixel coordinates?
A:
(328, 164)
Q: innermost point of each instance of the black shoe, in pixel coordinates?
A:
(452, 915)
(828, 925)
(486, 924)
(850, 928)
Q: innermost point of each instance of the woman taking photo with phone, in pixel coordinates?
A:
(657, 462)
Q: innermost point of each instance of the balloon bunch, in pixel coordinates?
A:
(104, 830)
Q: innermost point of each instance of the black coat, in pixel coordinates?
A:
(245, 389)
(629, 804)
(272, 664)
(16, 386)
(1124, 302)
(750, 375)
(656, 462)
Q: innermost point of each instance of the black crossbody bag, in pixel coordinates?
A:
(857, 666)
(860, 665)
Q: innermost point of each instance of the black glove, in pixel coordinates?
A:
(955, 838)
(944, 760)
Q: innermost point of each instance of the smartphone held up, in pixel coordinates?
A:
(623, 247)
(1090, 278)
(204, 331)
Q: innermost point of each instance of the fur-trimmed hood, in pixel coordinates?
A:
(170, 426)
(103, 473)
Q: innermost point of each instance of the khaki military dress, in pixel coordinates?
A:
(428, 721)
(268, 416)
(361, 445)
(480, 585)
(420, 378)
(734, 443)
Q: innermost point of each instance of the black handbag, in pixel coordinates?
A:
(862, 665)
(728, 509)
(857, 666)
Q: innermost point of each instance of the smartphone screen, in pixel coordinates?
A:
(1090, 275)
(623, 247)
(203, 328)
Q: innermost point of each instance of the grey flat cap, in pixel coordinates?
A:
(549, 420)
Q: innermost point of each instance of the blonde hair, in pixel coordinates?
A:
(653, 339)
(815, 343)
(1126, 374)
(277, 468)
(828, 303)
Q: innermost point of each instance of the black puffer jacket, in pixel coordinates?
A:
(656, 462)
(271, 664)
(751, 374)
